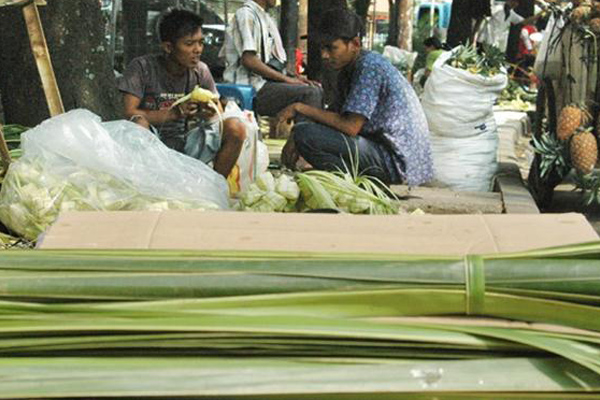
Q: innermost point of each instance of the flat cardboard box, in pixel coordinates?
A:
(337, 233)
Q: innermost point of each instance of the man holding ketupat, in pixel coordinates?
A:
(378, 121)
(152, 84)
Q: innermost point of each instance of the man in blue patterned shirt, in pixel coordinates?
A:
(378, 115)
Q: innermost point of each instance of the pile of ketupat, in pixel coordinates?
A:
(344, 191)
(148, 324)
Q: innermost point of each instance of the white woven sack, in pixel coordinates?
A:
(466, 163)
(458, 103)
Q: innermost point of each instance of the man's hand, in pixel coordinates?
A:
(206, 111)
(294, 81)
(288, 113)
(308, 81)
(186, 110)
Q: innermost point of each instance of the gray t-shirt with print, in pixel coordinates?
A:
(146, 78)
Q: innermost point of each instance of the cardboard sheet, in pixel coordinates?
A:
(418, 234)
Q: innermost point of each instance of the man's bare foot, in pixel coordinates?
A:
(302, 165)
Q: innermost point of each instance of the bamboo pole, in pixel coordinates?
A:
(4, 153)
(41, 54)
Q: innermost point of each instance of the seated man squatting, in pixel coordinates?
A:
(152, 83)
(378, 116)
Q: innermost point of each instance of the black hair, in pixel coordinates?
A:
(340, 23)
(177, 23)
(433, 42)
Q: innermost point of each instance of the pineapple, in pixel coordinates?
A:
(581, 13)
(595, 25)
(571, 117)
(584, 151)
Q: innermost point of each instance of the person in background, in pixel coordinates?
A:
(526, 55)
(433, 49)
(495, 29)
(378, 124)
(152, 83)
(254, 55)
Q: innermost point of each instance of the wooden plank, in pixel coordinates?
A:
(7, 3)
(42, 59)
(446, 201)
(516, 198)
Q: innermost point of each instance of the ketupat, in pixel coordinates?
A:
(269, 194)
(198, 95)
(31, 198)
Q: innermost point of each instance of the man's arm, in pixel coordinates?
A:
(349, 124)
(157, 117)
(251, 61)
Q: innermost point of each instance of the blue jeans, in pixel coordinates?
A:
(328, 149)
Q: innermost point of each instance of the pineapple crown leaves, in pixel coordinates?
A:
(487, 61)
(581, 130)
(553, 153)
(589, 184)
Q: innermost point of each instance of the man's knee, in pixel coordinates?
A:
(313, 96)
(304, 136)
(234, 130)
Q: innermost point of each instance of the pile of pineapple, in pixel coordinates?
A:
(573, 129)
(574, 147)
(586, 13)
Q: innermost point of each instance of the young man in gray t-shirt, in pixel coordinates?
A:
(152, 83)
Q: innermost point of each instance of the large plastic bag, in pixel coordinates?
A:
(467, 163)
(76, 162)
(457, 102)
(400, 57)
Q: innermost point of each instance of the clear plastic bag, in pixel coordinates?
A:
(76, 162)
(254, 157)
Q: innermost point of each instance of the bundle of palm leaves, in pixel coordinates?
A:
(139, 324)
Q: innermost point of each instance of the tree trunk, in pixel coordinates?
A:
(405, 24)
(393, 19)
(75, 36)
(315, 68)
(135, 40)
(303, 26)
(361, 7)
(463, 17)
(289, 30)
(316, 8)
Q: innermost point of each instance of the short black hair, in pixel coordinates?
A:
(177, 23)
(433, 42)
(340, 23)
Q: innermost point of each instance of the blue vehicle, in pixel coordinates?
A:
(441, 9)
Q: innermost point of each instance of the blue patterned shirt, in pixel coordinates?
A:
(394, 116)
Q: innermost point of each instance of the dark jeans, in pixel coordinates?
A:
(328, 149)
(275, 96)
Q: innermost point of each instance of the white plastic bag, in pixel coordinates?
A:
(400, 57)
(254, 157)
(75, 162)
(457, 102)
(467, 163)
